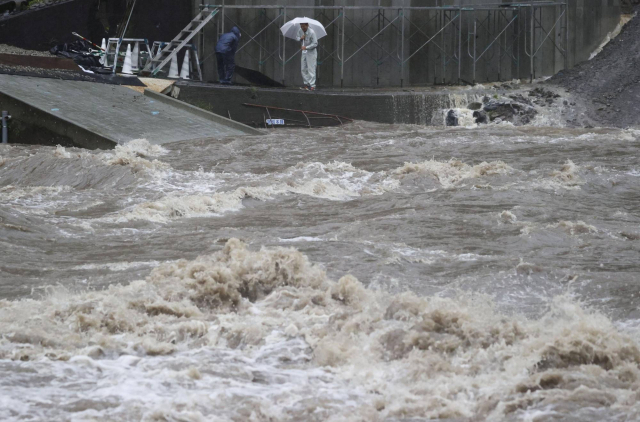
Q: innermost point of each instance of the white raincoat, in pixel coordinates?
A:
(309, 56)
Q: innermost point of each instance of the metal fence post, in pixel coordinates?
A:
(519, 15)
(566, 36)
(260, 52)
(436, 17)
(342, 48)
(459, 44)
(498, 17)
(402, 51)
(284, 42)
(5, 128)
(200, 41)
(475, 30)
(533, 53)
(222, 13)
(444, 47)
(378, 57)
(541, 59)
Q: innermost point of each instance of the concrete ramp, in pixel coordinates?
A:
(93, 115)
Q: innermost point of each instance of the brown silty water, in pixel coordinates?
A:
(362, 273)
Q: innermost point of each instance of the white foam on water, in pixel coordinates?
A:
(574, 228)
(61, 152)
(336, 181)
(302, 239)
(451, 173)
(343, 179)
(175, 206)
(566, 178)
(135, 154)
(33, 193)
(567, 175)
(142, 148)
(266, 335)
(508, 217)
(401, 252)
(35, 200)
(116, 266)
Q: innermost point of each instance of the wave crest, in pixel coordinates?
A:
(452, 172)
(405, 355)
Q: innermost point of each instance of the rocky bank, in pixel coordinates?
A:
(608, 86)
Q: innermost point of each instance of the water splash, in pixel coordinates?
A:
(346, 351)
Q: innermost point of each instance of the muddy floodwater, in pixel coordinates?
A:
(363, 273)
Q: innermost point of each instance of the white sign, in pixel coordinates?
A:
(274, 122)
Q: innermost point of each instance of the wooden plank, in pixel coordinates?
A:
(38, 62)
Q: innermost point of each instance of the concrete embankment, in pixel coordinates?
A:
(413, 106)
(92, 115)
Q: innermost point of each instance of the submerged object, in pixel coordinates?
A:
(319, 119)
(452, 118)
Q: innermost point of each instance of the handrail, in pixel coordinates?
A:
(480, 7)
(305, 113)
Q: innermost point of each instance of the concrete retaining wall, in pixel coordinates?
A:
(377, 64)
(41, 29)
(199, 111)
(417, 107)
(34, 125)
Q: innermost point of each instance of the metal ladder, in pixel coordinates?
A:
(172, 48)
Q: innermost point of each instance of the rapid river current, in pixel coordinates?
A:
(363, 273)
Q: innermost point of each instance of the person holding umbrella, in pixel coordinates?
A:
(308, 31)
(309, 60)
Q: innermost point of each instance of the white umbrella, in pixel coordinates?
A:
(290, 29)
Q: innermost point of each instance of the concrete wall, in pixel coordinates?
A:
(41, 29)
(591, 21)
(33, 125)
(370, 67)
(380, 63)
(418, 107)
(156, 20)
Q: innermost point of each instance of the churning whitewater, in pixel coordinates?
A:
(362, 273)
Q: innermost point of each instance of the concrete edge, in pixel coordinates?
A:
(44, 118)
(202, 113)
(333, 91)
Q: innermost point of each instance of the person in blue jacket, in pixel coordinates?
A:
(226, 55)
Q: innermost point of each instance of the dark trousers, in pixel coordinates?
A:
(226, 66)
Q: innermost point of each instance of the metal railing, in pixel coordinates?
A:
(460, 43)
